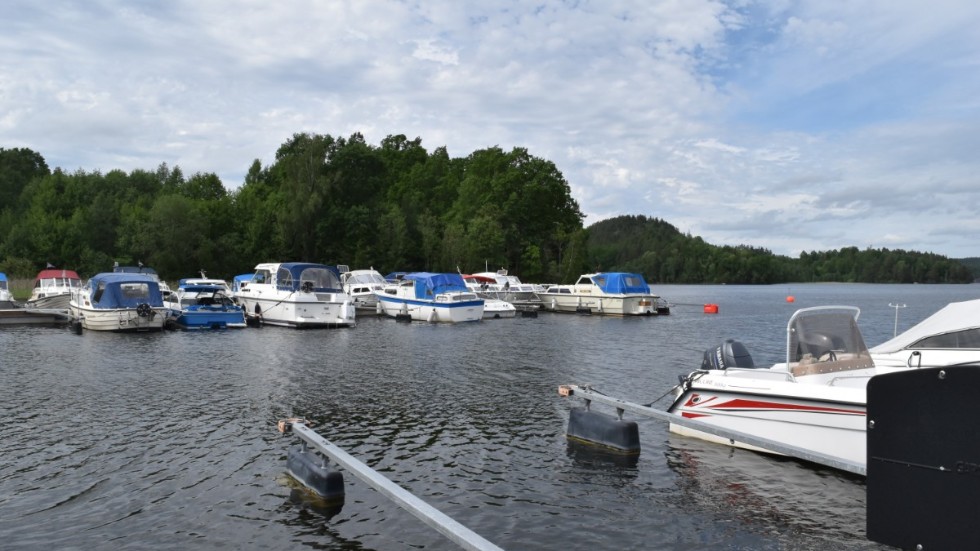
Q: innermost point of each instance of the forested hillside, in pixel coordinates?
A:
(659, 250)
(394, 207)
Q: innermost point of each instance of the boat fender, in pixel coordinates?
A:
(76, 326)
(602, 430)
(312, 470)
(730, 353)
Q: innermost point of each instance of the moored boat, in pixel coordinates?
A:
(606, 293)
(362, 285)
(118, 301)
(203, 303)
(949, 337)
(501, 285)
(53, 288)
(498, 309)
(433, 297)
(814, 401)
(6, 299)
(297, 294)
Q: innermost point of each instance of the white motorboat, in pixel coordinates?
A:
(949, 337)
(608, 293)
(815, 400)
(297, 294)
(501, 285)
(5, 296)
(432, 297)
(53, 288)
(362, 285)
(498, 309)
(118, 302)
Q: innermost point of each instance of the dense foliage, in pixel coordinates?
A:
(663, 254)
(394, 207)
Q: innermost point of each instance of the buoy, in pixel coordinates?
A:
(790, 298)
(710, 308)
(311, 470)
(603, 430)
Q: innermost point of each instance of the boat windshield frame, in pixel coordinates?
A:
(825, 339)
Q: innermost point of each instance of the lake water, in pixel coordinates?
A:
(168, 440)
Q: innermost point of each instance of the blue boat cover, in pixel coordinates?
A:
(428, 285)
(124, 290)
(3, 276)
(325, 279)
(236, 283)
(621, 283)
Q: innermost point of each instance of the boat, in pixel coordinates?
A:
(6, 299)
(118, 301)
(52, 289)
(204, 303)
(297, 294)
(498, 309)
(503, 286)
(949, 337)
(815, 400)
(165, 290)
(433, 297)
(606, 293)
(362, 285)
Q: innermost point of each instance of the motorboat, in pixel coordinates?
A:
(815, 400)
(362, 285)
(498, 309)
(6, 299)
(204, 303)
(118, 301)
(433, 297)
(297, 294)
(501, 285)
(606, 293)
(53, 288)
(949, 337)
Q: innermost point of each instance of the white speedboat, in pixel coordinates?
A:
(608, 293)
(814, 401)
(118, 302)
(503, 286)
(425, 296)
(53, 288)
(297, 294)
(498, 309)
(362, 285)
(949, 337)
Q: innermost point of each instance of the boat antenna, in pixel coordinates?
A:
(896, 307)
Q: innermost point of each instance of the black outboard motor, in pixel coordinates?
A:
(731, 353)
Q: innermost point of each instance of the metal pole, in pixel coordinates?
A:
(456, 532)
(896, 307)
(733, 435)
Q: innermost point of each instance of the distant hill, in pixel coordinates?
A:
(663, 254)
(972, 264)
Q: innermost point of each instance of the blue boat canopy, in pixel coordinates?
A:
(319, 278)
(124, 290)
(621, 283)
(428, 285)
(236, 283)
(3, 280)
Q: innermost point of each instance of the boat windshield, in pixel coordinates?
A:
(825, 339)
(366, 279)
(320, 278)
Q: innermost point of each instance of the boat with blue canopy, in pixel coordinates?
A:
(433, 297)
(297, 294)
(119, 301)
(203, 303)
(605, 293)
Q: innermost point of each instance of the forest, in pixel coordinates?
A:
(393, 207)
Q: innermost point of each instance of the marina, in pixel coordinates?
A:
(149, 440)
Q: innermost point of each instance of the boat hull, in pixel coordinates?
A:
(420, 310)
(58, 301)
(301, 310)
(214, 319)
(832, 427)
(118, 319)
(627, 305)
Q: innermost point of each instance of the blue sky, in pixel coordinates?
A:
(789, 125)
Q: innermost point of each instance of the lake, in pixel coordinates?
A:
(168, 440)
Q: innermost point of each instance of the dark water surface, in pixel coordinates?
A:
(168, 440)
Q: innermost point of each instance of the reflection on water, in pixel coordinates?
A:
(168, 440)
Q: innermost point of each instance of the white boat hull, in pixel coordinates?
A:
(419, 310)
(57, 301)
(301, 310)
(118, 319)
(627, 305)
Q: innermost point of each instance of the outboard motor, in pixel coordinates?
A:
(731, 353)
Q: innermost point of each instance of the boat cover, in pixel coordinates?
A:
(955, 316)
(621, 283)
(236, 284)
(55, 274)
(124, 290)
(428, 285)
(323, 278)
(3, 278)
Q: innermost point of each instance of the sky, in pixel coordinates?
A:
(792, 126)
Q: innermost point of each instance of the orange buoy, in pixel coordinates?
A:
(710, 308)
(791, 298)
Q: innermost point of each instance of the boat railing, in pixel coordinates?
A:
(755, 373)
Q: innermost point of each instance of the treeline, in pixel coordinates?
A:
(324, 199)
(394, 207)
(665, 255)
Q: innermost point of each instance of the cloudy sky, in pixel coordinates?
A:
(789, 125)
